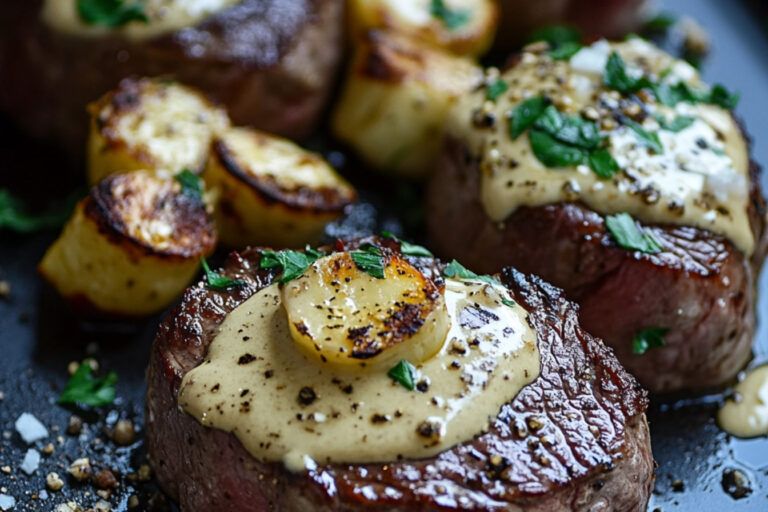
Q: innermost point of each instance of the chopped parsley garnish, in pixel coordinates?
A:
(496, 89)
(573, 130)
(457, 270)
(616, 76)
(525, 114)
(84, 388)
(507, 302)
(719, 95)
(603, 163)
(646, 138)
(292, 263)
(407, 248)
(405, 374)
(678, 124)
(648, 339)
(563, 41)
(111, 13)
(369, 259)
(14, 216)
(217, 281)
(190, 184)
(553, 153)
(659, 24)
(629, 236)
(452, 19)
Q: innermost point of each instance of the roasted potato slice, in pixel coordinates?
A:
(271, 191)
(396, 99)
(131, 246)
(151, 124)
(463, 27)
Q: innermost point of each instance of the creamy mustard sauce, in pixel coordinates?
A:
(164, 16)
(747, 414)
(701, 178)
(285, 406)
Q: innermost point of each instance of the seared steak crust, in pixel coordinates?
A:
(574, 439)
(700, 285)
(272, 63)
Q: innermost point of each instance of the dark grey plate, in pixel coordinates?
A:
(38, 338)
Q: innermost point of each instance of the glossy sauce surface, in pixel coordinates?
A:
(285, 406)
(700, 178)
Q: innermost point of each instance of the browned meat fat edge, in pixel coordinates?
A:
(575, 436)
(700, 285)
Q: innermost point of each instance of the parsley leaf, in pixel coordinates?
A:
(111, 13)
(719, 95)
(408, 248)
(14, 216)
(646, 138)
(603, 163)
(616, 76)
(629, 236)
(451, 19)
(554, 153)
(405, 374)
(190, 184)
(647, 339)
(525, 114)
(369, 259)
(565, 51)
(457, 270)
(217, 281)
(659, 24)
(292, 263)
(678, 124)
(83, 388)
(496, 89)
(508, 302)
(573, 130)
(563, 41)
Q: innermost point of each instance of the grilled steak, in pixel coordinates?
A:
(576, 438)
(700, 283)
(271, 63)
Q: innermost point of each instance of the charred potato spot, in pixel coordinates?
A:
(471, 37)
(271, 191)
(350, 319)
(131, 246)
(151, 123)
(399, 89)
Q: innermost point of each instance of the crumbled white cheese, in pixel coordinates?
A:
(7, 502)
(30, 429)
(592, 59)
(31, 461)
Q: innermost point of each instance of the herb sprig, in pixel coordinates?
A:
(629, 235)
(292, 263)
(217, 281)
(405, 374)
(408, 248)
(456, 270)
(111, 13)
(370, 260)
(190, 184)
(563, 41)
(84, 388)
(647, 339)
(496, 89)
(14, 216)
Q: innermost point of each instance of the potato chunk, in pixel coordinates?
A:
(271, 191)
(396, 100)
(151, 124)
(463, 27)
(131, 246)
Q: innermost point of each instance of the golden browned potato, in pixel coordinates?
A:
(271, 191)
(463, 27)
(395, 101)
(151, 124)
(131, 246)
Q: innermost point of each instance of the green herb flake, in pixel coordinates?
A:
(405, 374)
(648, 139)
(508, 302)
(628, 235)
(217, 281)
(369, 259)
(525, 114)
(15, 217)
(616, 76)
(565, 51)
(496, 89)
(556, 35)
(452, 19)
(554, 153)
(719, 95)
(292, 263)
(458, 271)
(111, 13)
(677, 125)
(603, 163)
(648, 339)
(190, 184)
(407, 248)
(572, 130)
(659, 24)
(84, 388)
